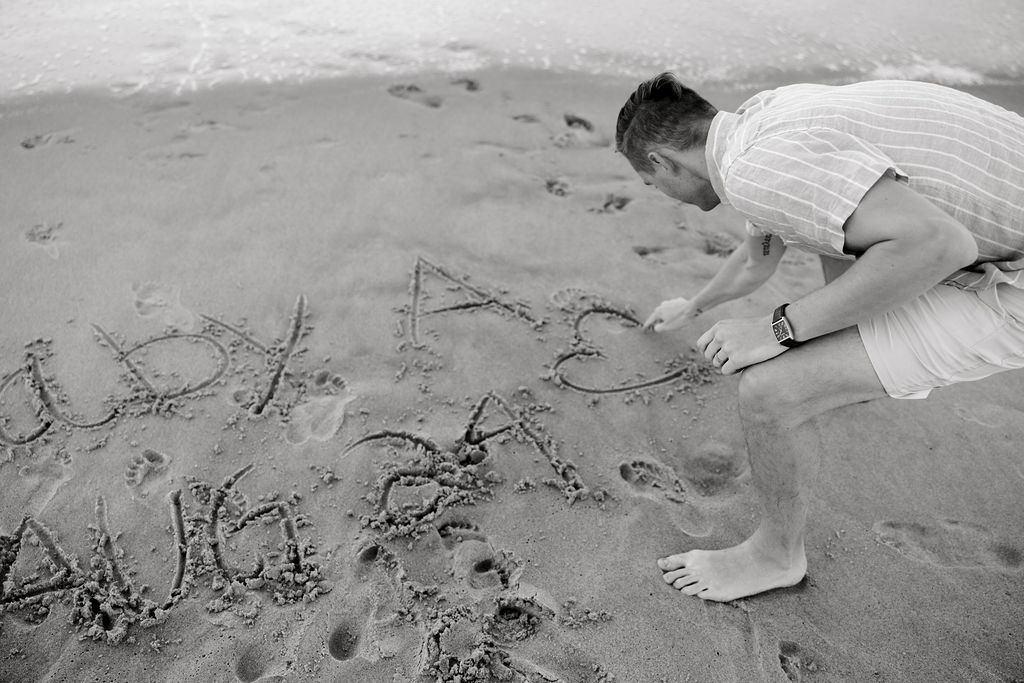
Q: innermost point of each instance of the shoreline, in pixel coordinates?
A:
(766, 79)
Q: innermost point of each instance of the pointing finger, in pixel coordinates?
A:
(654, 318)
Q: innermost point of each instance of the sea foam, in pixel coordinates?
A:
(181, 45)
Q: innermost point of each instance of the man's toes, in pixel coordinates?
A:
(672, 562)
(671, 577)
(694, 588)
(684, 582)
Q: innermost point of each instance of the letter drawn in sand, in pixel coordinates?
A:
(477, 297)
(48, 406)
(440, 478)
(530, 430)
(293, 576)
(280, 508)
(16, 593)
(105, 602)
(151, 392)
(49, 403)
(584, 349)
(181, 545)
(44, 420)
(408, 496)
(277, 356)
(49, 409)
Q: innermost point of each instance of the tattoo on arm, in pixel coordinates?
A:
(766, 245)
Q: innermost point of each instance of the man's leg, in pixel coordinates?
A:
(777, 400)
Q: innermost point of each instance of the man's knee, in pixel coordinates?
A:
(768, 393)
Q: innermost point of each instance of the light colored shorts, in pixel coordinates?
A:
(946, 335)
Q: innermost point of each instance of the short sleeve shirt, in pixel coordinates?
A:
(797, 161)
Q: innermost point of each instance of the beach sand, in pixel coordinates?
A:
(341, 381)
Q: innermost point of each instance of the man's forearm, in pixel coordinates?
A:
(906, 245)
(734, 279)
(882, 279)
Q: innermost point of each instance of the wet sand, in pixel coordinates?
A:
(343, 382)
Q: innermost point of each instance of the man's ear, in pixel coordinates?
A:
(678, 161)
(656, 158)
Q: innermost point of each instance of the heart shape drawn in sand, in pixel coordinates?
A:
(583, 348)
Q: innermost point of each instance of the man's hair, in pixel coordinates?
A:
(662, 112)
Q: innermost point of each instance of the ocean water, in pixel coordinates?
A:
(127, 45)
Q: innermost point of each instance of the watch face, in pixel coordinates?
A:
(781, 330)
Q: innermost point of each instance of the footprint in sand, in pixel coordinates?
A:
(949, 543)
(475, 564)
(414, 93)
(44, 235)
(365, 560)
(644, 252)
(46, 139)
(578, 123)
(319, 418)
(363, 633)
(324, 380)
(718, 244)
(163, 303)
(478, 565)
(575, 300)
(476, 623)
(343, 641)
(208, 125)
(488, 597)
(253, 664)
(714, 468)
(39, 480)
(581, 133)
(144, 464)
(468, 83)
(613, 203)
(656, 481)
(557, 187)
(800, 663)
(456, 531)
(662, 255)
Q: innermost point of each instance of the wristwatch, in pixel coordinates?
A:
(782, 329)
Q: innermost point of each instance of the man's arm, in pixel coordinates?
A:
(746, 269)
(904, 244)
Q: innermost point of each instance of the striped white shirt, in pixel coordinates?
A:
(796, 162)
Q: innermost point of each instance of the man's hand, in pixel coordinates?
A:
(671, 314)
(732, 345)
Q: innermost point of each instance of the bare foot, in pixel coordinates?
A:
(732, 573)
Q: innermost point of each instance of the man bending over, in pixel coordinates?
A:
(913, 196)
